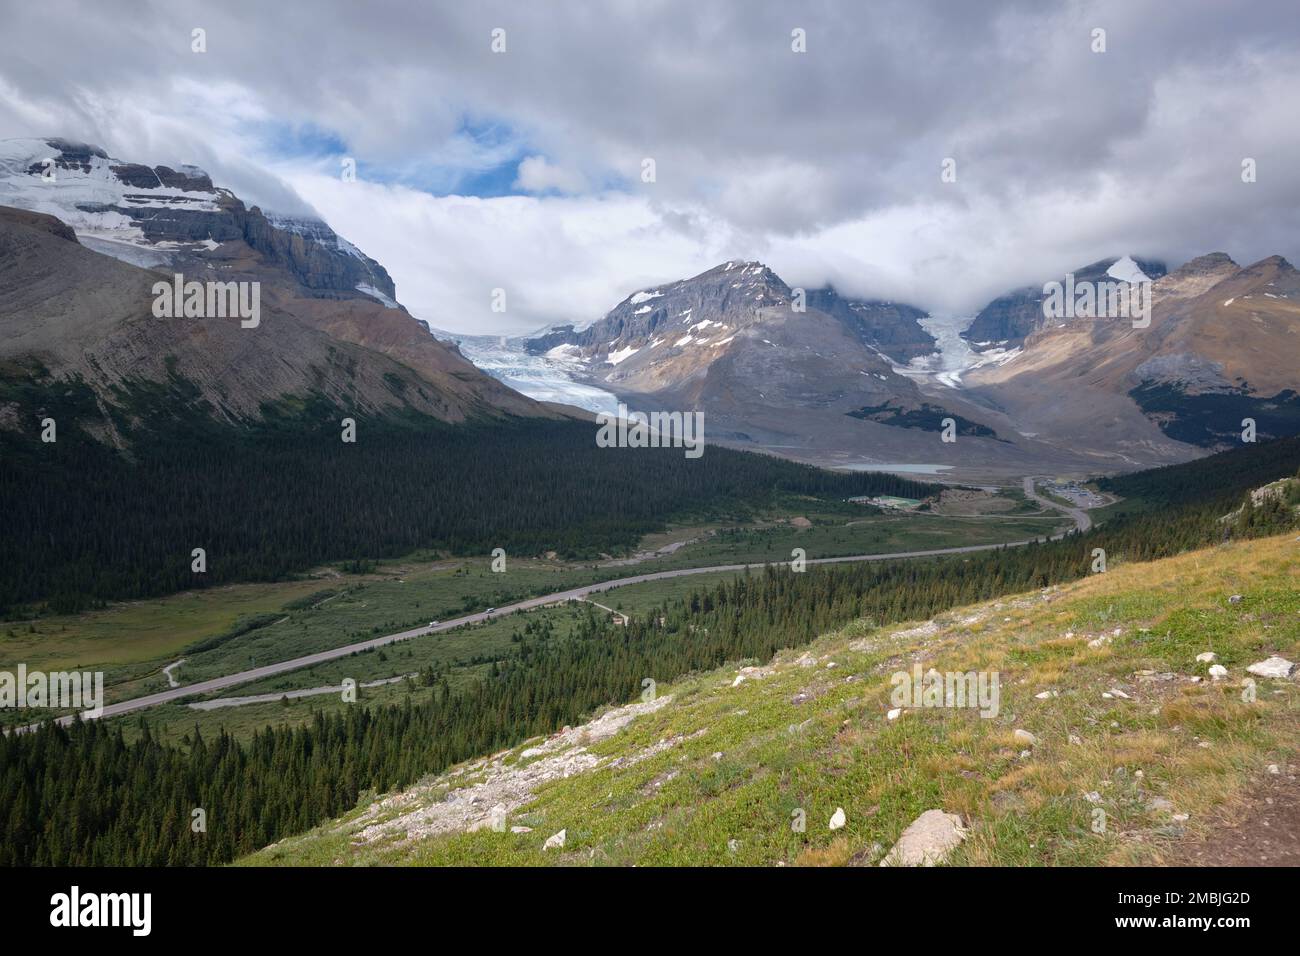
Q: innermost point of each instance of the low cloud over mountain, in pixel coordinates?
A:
(825, 164)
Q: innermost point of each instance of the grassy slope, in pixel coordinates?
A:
(733, 763)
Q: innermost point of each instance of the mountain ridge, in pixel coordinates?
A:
(333, 328)
(1218, 349)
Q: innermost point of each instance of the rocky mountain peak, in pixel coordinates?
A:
(749, 284)
(1270, 266)
(1196, 277)
(159, 216)
(1214, 262)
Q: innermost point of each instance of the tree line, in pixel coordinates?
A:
(85, 523)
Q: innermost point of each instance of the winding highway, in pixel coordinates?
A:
(1081, 520)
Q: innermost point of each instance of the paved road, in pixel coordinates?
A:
(1081, 519)
(580, 593)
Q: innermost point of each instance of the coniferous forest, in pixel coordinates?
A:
(83, 795)
(85, 523)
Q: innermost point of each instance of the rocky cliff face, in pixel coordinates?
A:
(174, 215)
(890, 327)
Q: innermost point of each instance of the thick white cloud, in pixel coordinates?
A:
(536, 175)
(824, 164)
(557, 258)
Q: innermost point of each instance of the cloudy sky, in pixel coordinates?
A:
(523, 169)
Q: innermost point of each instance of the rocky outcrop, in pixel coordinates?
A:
(1276, 668)
(927, 841)
(890, 327)
(315, 255)
(38, 221)
(558, 335)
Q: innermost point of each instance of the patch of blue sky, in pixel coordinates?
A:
(481, 158)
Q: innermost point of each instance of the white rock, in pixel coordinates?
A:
(1207, 657)
(837, 818)
(1075, 739)
(1274, 768)
(927, 840)
(1026, 737)
(1278, 667)
(1099, 641)
(1047, 694)
(557, 841)
(1092, 796)
(1218, 671)
(521, 829)
(894, 714)
(1116, 692)
(740, 679)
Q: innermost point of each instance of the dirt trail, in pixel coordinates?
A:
(1262, 830)
(171, 679)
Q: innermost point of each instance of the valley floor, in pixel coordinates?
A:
(242, 629)
(1112, 744)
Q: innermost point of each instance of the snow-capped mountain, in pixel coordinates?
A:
(85, 237)
(1008, 320)
(817, 376)
(733, 295)
(683, 336)
(159, 216)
